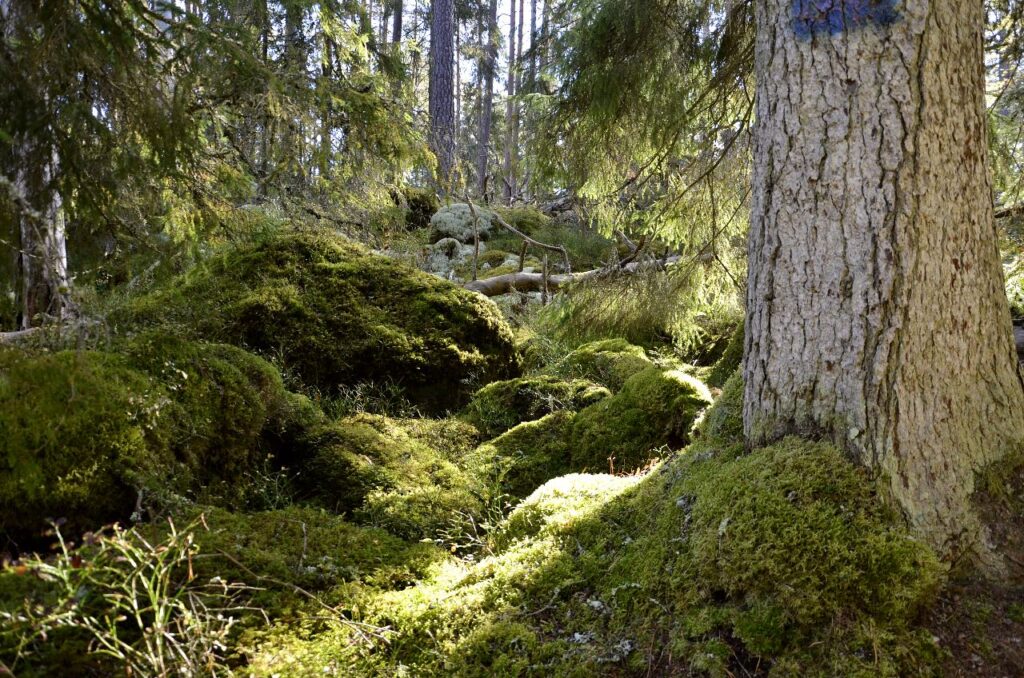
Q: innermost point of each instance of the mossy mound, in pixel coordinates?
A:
(422, 203)
(610, 362)
(522, 459)
(400, 475)
(655, 408)
(730, 360)
(333, 314)
(528, 220)
(91, 436)
(501, 405)
(456, 221)
(781, 561)
(722, 423)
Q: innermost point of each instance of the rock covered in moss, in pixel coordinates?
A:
(654, 408)
(456, 221)
(84, 435)
(526, 219)
(610, 362)
(333, 314)
(525, 457)
(391, 473)
(501, 405)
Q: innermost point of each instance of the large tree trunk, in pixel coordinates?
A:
(876, 314)
(490, 64)
(442, 89)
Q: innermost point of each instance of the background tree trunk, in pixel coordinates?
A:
(396, 27)
(442, 88)
(510, 102)
(876, 313)
(490, 64)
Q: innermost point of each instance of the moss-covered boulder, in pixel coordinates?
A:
(397, 474)
(456, 221)
(421, 204)
(528, 220)
(501, 405)
(331, 314)
(722, 423)
(525, 457)
(91, 436)
(610, 362)
(654, 408)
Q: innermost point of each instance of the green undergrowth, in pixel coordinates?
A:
(331, 314)
(714, 563)
(610, 362)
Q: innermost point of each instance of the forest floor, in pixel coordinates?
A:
(401, 477)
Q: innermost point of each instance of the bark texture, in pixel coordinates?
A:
(442, 88)
(490, 60)
(876, 314)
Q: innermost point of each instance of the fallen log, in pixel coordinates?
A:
(534, 282)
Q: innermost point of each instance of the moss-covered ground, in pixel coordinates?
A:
(599, 515)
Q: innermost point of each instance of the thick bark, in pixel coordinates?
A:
(442, 89)
(876, 315)
(490, 64)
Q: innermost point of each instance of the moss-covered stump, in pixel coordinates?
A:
(333, 314)
(779, 561)
(92, 436)
(501, 405)
(610, 362)
(655, 408)
(401, 475)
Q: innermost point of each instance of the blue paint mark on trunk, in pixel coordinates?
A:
(815, 17)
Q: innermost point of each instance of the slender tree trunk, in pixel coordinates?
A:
(510, 103)
(42, 283)
(876, 314)
(396, 26)
(532, 80)
(490, 65)
(458, 84)
(442, 85)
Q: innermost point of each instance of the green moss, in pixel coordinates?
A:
(654, 408)
(91, 436)
(610, 362)
(385, 472)
(493, 258)
(529, 220)
(79, 432)
(501, 405)
(422, 204)
(780, 560)
(723, 422)
(305, 547)
(730, 360)
(332, 314)
(526, 456)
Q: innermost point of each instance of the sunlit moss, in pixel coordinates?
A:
(503, 404)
